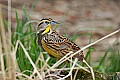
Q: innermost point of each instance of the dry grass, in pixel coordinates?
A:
(12, 71)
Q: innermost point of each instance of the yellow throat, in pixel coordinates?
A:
(47, 29)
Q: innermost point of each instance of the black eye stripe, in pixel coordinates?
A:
(47, 22)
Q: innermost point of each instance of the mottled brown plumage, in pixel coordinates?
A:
(55, 43)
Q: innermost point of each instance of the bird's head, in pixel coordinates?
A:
(45, 26)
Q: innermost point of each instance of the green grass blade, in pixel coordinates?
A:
(103, 58)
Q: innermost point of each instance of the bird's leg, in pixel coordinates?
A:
(93, 76)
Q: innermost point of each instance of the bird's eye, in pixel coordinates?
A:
(47, 22)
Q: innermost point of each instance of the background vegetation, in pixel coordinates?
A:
(22, 58)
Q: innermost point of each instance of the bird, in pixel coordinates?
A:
(55, 44)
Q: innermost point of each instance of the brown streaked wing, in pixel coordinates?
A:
(62, 45)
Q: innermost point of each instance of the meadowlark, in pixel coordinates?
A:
(53, 43)
(57, 45)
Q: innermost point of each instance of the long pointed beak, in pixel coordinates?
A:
(54, 22)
